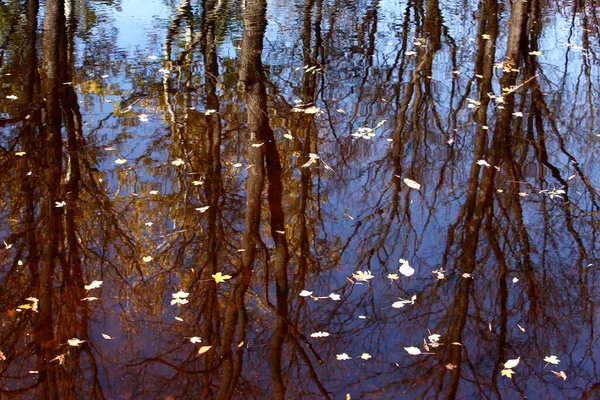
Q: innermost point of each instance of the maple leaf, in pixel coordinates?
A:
(362, 275)
(507, 372)
(180, 298)
(219, 277)
(552, 360)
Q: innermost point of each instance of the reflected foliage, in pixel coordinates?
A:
(270, 145)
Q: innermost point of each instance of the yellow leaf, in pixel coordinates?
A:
(219, 277)
(507, 372)
(203, 349)
(75, 342)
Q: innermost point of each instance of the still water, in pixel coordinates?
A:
(299, 200)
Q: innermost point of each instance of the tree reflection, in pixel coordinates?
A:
(277, 153)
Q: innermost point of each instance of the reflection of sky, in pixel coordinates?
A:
(139, 21)
(141, 33)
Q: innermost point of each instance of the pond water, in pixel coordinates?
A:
(299, 200)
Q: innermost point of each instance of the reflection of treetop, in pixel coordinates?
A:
(266, 199)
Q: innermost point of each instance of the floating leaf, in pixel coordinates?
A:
(365, 356)
(305, 293)
(75, 342)
(203, 349)
(33, 306)
(107, 337)
(507, 372)
(402, 302)
(20, 153)
(219, 277)
(405, 268)
(195, 339)
(120, 161)
(412, 184)
(147, 259)
(60, 358)
(93, 285)
(179, 162)
(313, 110)
(180, 298)
(434, 337)
(413, 351)
(552, 360)
(560, 374)
(362, 275)
(60, 204)
(202, 209)
(512, 363)
(342, 356)
(319, 334)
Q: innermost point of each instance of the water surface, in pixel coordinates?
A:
(318, 199)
